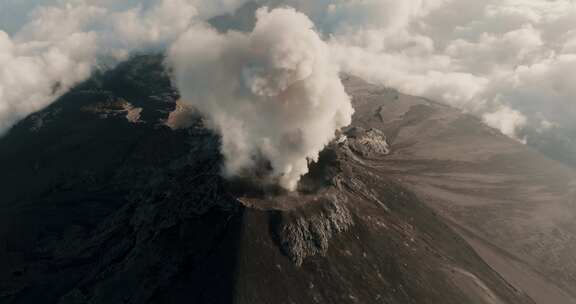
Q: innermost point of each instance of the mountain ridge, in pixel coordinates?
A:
(104, 208)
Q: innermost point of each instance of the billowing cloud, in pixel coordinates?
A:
(479, 56)
(274, 95)
(58, 45)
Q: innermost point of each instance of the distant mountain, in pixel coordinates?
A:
(104, 200)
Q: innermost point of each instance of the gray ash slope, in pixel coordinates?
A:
(103, 203)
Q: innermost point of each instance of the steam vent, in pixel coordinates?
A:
(113, 194)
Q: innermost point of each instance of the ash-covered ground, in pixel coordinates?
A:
(107, 197)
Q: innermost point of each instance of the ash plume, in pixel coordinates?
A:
(506, 61)
(510, 62)
(274, 94)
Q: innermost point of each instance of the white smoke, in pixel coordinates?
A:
(506, 120)
(274, 93)
(510, 62)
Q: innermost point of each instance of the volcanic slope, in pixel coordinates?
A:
(103, 202)
(514, 206)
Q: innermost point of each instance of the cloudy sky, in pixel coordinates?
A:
(510, 62)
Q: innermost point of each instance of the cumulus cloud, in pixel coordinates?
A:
(32, 73)
(45, 52)
(274, 94)
(479, 56)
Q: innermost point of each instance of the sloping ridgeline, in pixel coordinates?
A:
(104, 203)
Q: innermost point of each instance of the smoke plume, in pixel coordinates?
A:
(273, 94)
(508, 61)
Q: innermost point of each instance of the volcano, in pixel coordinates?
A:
(109, 196)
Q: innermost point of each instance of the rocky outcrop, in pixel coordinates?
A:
(367, 143)
(305, 233)
(112, 108)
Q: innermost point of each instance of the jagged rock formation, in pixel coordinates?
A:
(104, 210)
(303, 236)
(367, 143)
(116, 107)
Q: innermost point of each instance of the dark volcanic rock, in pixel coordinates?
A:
(304, 234)
(107, 209)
